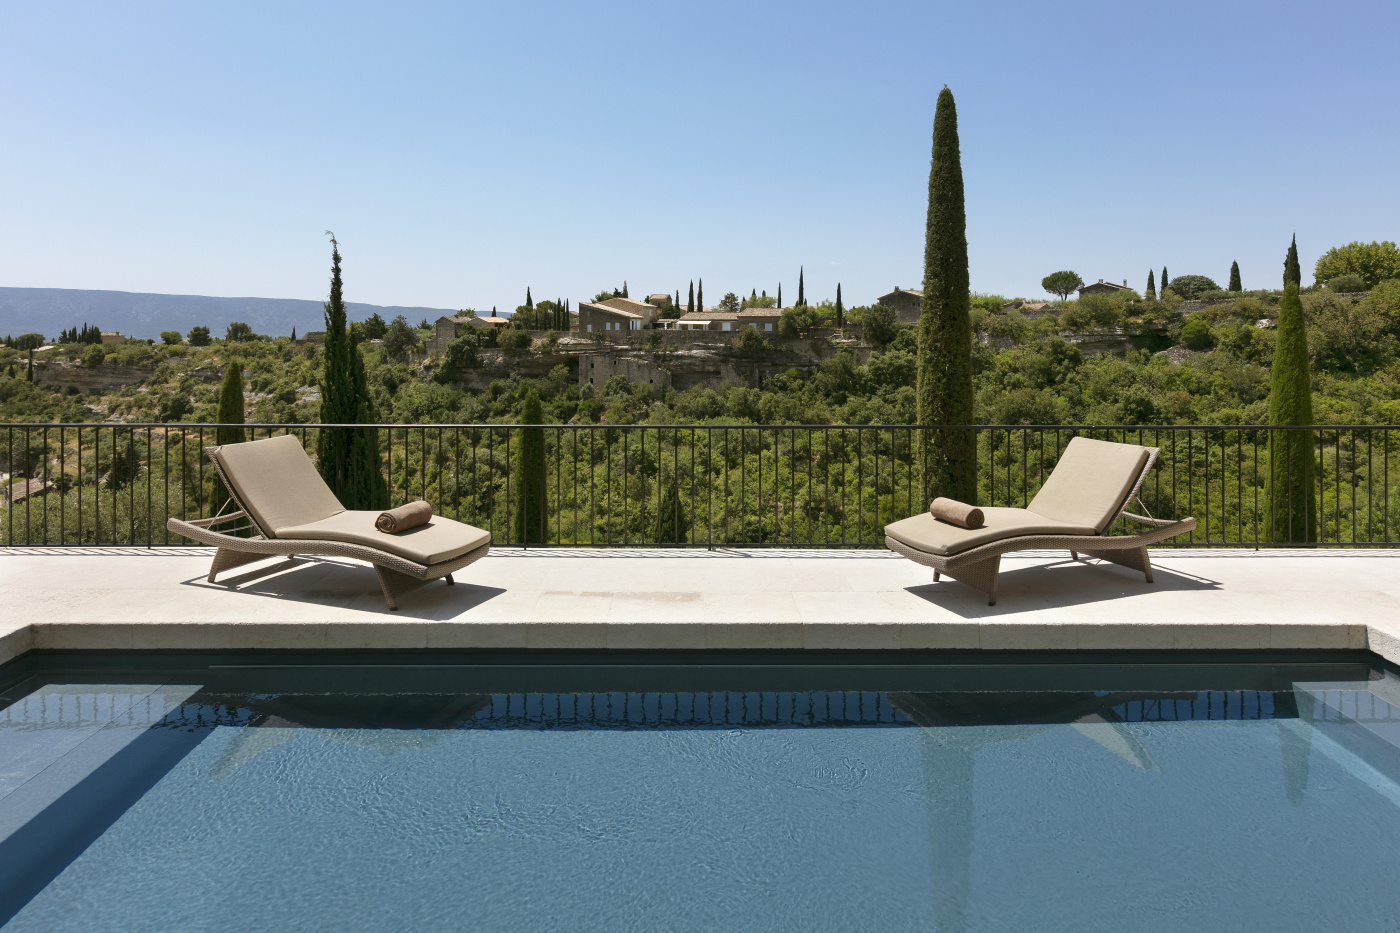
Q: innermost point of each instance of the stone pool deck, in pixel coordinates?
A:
(133, 598)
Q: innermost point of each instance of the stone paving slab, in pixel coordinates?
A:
(133, 598)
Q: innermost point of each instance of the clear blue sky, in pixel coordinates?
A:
(464, 151)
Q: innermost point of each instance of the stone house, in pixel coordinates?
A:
(708, 320)
(658, 300)
(644, 308)
(1030, 309)
(113, 336)
(763, 319)
(905, 302)
(1102, 288)
(594, 318)
(447, 328)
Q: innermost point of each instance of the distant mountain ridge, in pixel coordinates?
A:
(145, 314)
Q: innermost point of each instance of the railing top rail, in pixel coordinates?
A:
(190, 425)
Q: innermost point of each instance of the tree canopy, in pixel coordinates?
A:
(1190, 286)
(1061, 283)
(1372, 262)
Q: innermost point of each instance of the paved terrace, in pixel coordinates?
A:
(133, 598)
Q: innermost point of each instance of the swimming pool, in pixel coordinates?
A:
(519, 793)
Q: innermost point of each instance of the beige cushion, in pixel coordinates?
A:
(277, 483)
(925, 533)
(1089, 484)
(440, 540)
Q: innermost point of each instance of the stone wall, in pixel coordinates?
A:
(595, 369)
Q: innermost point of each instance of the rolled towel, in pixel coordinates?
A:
(956, 513)
(404, 517)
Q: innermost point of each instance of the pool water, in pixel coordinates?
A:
(189, 807)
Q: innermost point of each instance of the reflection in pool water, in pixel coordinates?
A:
(891, 811)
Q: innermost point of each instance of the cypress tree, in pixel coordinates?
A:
(1165, 280)
(1291, 272)
(294, 335)
(700, 297)
(678, 298)
(840, 311)
(1235, 277)
(1292, 500)
(672, 525)
(801, 295)
(780, 294)
(1151, 285)
(338, 403)
(530, 506)
(342, 455)
(690, 301)
(944, 391)
(624, 289)
(230, 413)
(529, 302)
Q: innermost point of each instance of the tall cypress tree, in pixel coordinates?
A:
(801, 295)
(1291, 272)
(690, 301)
(700, 297)
(531, 507)
(338, 402)
(944, 391)
(529, 302)
(1165, 280)
(624, 289)
(1292, 499)
(678, 298)
(1151, 285)
(1235, 277)
(780, 294)
(230, 413)
(348, 459)
(840, 310)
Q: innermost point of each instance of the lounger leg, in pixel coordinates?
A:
(1132, 558)
(395, 584)
(450, 581)
(982, 575)
(227, 559)
(936, 575)
(1074, 555)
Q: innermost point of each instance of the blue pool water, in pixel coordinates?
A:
(174, 807)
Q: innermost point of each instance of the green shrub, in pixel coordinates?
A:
(1346, 282)
(1196, 334)
(93, 356)
(171, 338)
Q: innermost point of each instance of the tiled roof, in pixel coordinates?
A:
(628, 304)
(902, 291)
(710, 316)
(608, 309)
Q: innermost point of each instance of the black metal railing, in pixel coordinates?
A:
(697, 485)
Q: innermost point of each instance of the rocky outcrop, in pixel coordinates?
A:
(63, 374)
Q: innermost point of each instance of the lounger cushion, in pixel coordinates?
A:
(1089, 484)
(277, 483)
(925, 533)
(440, 540)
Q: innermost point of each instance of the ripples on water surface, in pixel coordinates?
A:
(806, 811)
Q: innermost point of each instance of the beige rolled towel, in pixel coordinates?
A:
(404, 517)
(956, 513)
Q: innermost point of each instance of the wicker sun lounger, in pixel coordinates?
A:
(1090, 487)
(290, 510)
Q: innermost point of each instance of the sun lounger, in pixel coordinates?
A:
(290, 510)
(1090, 487)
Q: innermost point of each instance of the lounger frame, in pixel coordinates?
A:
(979, 567)
(397, 575)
